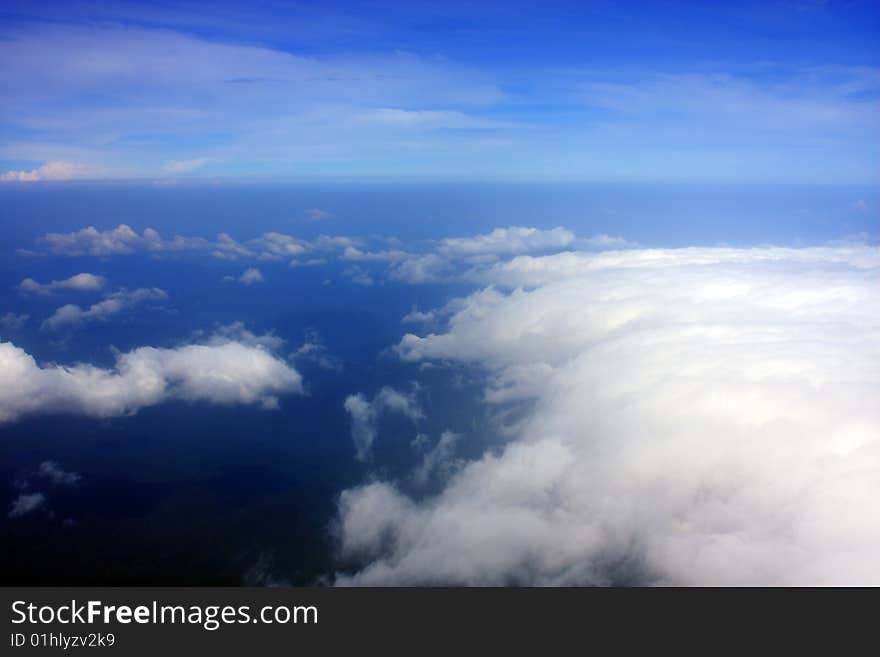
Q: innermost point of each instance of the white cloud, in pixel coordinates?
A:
(441, 260)
(120, 240)
(13, 322)
(415, 316)
(696, 416)
(529, 271)
(124, 240)
(421, 269)
(359, 276)
(52, 471)
(439, 461)
(222, 371)
(55, 170)
(516, 239)
(27, 503)
(314, 351)
(317, 214)
(274, 246)
(114, 303)
(81, 282)
(355, 254)
(390, 117)
(603, 241)
(365, 415)
(185, 166)
(236, 332)
(251, 276)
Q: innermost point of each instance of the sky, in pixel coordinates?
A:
(780, 92)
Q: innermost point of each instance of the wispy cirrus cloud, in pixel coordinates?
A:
(151, 98)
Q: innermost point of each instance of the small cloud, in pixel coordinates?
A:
(603, 241)
(27, 503)
(313, 350)
(53, 472)
(54, 170)
(415, 316)
(185, 166)
(359, 276)
(13, 322)
(251, 276)
(317, 214)
(237, 332)
(860, 206)
(72, 315)
(438, 462)
(81, 282)
(365, 415)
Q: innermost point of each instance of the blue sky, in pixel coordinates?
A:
(783, 92)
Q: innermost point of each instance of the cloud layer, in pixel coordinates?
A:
(436, 261)
(694, 416)
(222, 371)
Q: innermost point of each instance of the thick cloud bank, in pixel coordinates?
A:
(695, 416)
(223, 371)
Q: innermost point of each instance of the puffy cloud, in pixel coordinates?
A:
(516, 239)
(274, 246)
(81, 282)
(421, 269)
(123, 239)
(251, 276)
(114, 303)
(365, 415)
(27, 503)
(221, 371)
(694, 416)
(415, 316)
(120, 240)
(440, 260)
(52, 471)
(317, 214)
(54, 170)
(447, 257)
(13, 322)
(91, 241)
(236, 332)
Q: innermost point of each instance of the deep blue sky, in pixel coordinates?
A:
(634, 91)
